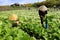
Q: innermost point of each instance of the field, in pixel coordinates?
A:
(30, 27)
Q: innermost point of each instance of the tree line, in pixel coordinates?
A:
(48, 3)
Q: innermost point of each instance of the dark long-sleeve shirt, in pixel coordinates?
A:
(41, 13)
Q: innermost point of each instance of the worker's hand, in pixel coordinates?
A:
(41, 16)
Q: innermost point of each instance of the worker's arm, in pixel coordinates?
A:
(46, 12)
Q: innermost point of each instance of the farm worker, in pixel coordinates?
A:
(14, 19)
(42, 12)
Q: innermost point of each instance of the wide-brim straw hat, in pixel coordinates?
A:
(13, 17)
(43, 8)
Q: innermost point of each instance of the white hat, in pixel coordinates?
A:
(43, 8)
